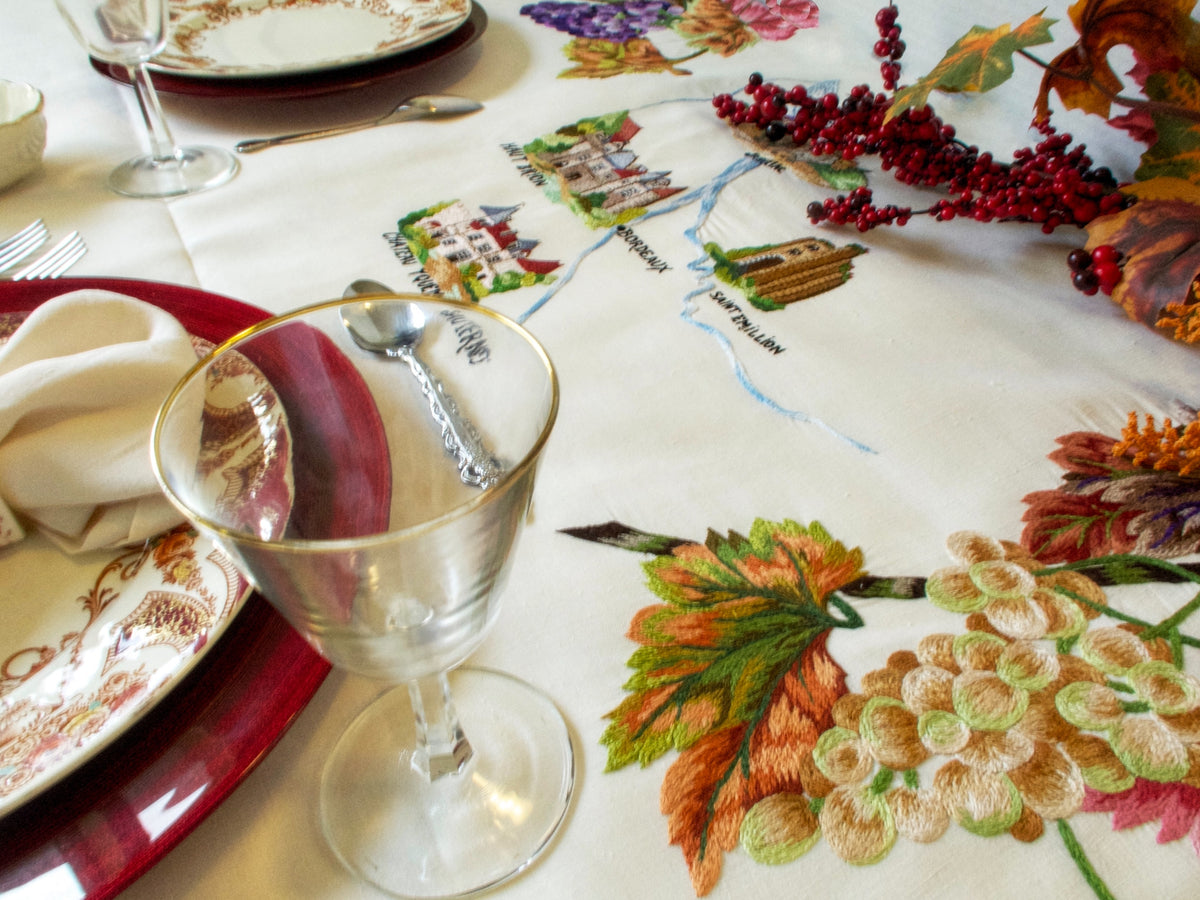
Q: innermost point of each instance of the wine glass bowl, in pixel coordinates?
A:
(130, 33)
(391, 566)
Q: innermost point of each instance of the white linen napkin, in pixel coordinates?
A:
(80, 382)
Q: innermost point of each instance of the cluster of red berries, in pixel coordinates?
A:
(856, 208)
(1099, 270)
(889, 47)
(1051, 184)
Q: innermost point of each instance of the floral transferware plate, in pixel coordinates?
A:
(314, 84)
(90, 642)
(101, 826)
(269, 38)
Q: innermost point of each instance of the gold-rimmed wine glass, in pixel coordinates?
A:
(457, 779)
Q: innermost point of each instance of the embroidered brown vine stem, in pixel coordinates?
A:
(1150, 106)
(1090, 875)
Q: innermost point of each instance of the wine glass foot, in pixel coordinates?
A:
(192, 169)
(462, 833)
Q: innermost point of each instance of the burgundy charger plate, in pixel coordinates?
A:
(184, 756)
(325, 81)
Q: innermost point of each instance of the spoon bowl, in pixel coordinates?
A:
(394, 328)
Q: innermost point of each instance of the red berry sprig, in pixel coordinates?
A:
(1099, 270)
(1052, 184)
(889, 47)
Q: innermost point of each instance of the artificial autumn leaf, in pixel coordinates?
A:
(733, 673)
(1159, 237)
(1175, 152)
(604, 59)
(1159, 32)
(979, 61)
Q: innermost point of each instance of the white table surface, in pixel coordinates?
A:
(957, 354)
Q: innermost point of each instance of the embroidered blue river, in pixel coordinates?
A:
(702, 267)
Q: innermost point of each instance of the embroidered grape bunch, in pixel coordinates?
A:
(615, 22)
(995, 729)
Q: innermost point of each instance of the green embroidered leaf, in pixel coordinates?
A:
(979, 61)
(604, 59)
(741, 632)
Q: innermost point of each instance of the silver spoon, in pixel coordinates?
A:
(394, 329)
(423, 106)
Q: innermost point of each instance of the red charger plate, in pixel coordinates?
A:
(190, 751)
(326, 81)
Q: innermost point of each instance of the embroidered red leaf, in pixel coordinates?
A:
(1159, 32)
(732, 673)
(979, 61)
(1159, 236)
(1109, 504)
(1176, 806)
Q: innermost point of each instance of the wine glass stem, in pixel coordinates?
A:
(442, 747)
(162, 145)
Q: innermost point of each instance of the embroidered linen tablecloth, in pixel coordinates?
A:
(863, 564)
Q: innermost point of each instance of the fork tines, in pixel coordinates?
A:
(22, 244)
(57, 260)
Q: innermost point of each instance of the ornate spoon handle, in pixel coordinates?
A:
(477, 466)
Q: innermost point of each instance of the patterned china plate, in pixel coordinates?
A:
(269, 38)
(90, 642)
(98, 828)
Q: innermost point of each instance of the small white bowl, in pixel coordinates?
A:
(22, 131)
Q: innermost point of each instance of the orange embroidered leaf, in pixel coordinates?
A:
(711, 25)
(1159, 236)
(732, 672)
(604, 59)
(1160, 33)
(979, 61)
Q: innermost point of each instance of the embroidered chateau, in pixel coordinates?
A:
(602, 164)
(484, 238)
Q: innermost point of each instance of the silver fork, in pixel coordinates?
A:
(56, 260)
(22, 244)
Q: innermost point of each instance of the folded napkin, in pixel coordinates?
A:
(80, 382)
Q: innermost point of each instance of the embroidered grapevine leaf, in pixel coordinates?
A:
(979, 61)
(1159, 32)
(731, 667)
(1159, 236)
(710, 25)
(738, 612)
(604, 59)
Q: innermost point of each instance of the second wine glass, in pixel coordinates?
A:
(130, 33)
